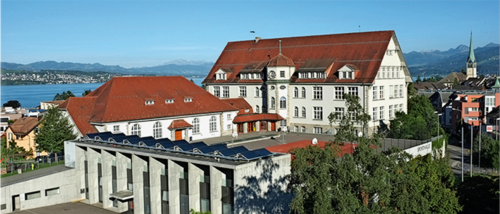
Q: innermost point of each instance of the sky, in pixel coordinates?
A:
(153, 32)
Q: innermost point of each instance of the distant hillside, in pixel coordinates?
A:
(444, 62)
(178, 67)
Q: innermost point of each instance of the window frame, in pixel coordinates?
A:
(243, 91)
(196, 125)
(225, 91)
(157, 129)
(317, 113)
(317, 93)
(213, 124)
(339, 93)
(136, 129)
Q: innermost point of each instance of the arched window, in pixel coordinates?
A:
(273, 103)
(303, 92)
(296, 92)
(257, 109)
(157, 130)
(213, 124)
(282, 102)
(303, 111)
(136, 130)
(257, 92)
(196, 126)
(296, 112)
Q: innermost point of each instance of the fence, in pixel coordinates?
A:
(403, 143)
(27, 164)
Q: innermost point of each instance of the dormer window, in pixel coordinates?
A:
(221, 74)
(150, 102)
(188, 100)
(312, 75)
(347, 72)
(167, 101)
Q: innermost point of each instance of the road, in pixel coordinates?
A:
(455, 153)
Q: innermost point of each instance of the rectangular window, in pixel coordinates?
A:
(225, 91)
(318, 113)
(375, 110)
(396, 91)
(217, 91)
(400, 90)
(296, 128)
(282, 74)
(318, 130)
(375, 93)
(339, 93)
(391, 92)
(352, 91)
(116, 128)
(257, 92)
(381, 92)
(400, 107)
(32, 195)
(317, 92)
(390, 112)
(243, 91)
(303, 129)
(229, 117)
(229, 127)
(340, 113)
(381, 112)
(53, 191)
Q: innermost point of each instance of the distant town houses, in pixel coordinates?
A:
(53, 77)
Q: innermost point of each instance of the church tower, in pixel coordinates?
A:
(471, 61)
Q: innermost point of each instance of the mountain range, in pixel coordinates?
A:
(424, 63)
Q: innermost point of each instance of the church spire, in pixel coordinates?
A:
(471, 57)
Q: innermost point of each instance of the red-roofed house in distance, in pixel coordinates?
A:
(287, 148)
(162, 107)
(23, 132)
(304, 79)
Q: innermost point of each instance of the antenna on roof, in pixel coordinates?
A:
(280, 46)
(252, 32)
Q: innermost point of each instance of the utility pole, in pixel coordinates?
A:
(471, 146)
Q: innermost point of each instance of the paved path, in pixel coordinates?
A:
(67, 208)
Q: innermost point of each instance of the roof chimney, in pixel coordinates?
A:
(257, 38)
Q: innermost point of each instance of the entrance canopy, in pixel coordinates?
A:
(256, 117)
(179, 124)
(124, 195)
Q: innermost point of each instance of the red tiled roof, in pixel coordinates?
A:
(256, 117)
(286, 148)
(241, 104)
(80, 110)
(124, 98)
(364, 51)
(281, 60)
(23, 126)
(178, 124)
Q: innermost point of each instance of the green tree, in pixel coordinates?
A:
(418, 80)
(479, 194)
(54, 130)
(489, 151)
(353, 115)
(12, 103)
(411, 90)
(463, 71)
(456, 82)
(64, 96)
(198, 212)
(204, 86)
(420, 123)
(12, 150)
(88, 91)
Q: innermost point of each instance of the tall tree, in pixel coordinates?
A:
(420, 123)
(54, 130)
(64, 96)
(86, 92)
(12, 103)
(489, 151)
(456, 82)
(479, 194)
(354, 115)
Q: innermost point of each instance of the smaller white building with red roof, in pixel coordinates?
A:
(161, 107)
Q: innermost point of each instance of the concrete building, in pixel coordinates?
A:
(304, 79)
(144, 175)
(50, 104)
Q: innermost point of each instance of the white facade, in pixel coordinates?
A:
(390, 95)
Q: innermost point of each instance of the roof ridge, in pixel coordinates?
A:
(366, 32)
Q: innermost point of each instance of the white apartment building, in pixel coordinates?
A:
(304, 79)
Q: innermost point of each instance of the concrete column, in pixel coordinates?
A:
(138, 165)
(107, 186)
(92, 160)
(216, 177)
(245, 127)
(194, 174)
(174, 191)
(121, 178)
(80, 170)
(155, 170)
(257, 124)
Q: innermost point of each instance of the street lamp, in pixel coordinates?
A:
(462, 132)
(438, 114)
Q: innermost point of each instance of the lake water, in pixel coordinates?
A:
(30, 96)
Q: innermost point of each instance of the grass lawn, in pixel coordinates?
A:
(37, 166)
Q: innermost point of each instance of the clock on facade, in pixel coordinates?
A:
(272, 87)
(272, 75)
(282, 87)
